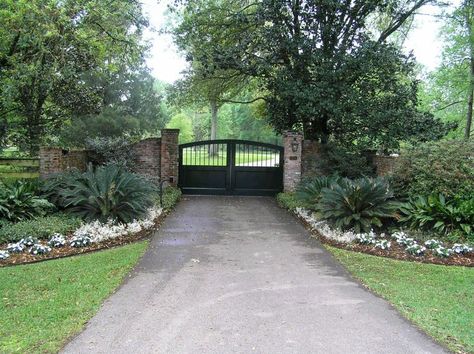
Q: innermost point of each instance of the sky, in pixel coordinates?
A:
(167, 64)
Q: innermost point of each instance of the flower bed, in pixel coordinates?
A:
(398, 245)
(88, 237)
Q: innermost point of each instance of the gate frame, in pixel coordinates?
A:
(231, 168)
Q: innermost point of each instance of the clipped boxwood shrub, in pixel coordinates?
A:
(445, 167)
(41, 227)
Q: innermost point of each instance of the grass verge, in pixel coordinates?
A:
(45, 303)
(438, 299)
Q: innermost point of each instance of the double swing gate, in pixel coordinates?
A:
(230, 167)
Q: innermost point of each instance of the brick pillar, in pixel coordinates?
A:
(50, 161)
(292, 143)
(169, 156)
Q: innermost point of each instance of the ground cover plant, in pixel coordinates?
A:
(40, 227)
(44, 304)
(390, 240)
(63, 234)
(436, 298)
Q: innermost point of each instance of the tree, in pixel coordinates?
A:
(50, 51)
(204, 83)
(449, 91)
(319, 66)
(131, 107)
(182, 122)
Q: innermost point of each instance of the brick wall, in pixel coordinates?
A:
(55, 160)
(147, 157)
(292, 143)
(154, 158)
(384, 165)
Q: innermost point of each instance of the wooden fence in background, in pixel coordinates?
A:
(15, 168)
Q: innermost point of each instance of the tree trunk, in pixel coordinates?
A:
(214, 111)
(470, 25)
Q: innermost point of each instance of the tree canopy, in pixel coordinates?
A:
(319, 66)
(54, 57)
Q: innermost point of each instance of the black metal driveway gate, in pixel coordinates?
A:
(236, 167)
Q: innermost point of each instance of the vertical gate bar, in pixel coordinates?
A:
(248, 154)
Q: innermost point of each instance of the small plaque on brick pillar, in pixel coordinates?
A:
(293, 157)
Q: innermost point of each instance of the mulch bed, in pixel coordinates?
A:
(68, 251)
(396, 251)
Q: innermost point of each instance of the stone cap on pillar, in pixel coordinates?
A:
(169, 131)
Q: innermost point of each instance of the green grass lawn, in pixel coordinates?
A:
(43, 304)
(202, 158)
(438, 299)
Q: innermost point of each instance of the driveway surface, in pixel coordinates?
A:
(241, 275)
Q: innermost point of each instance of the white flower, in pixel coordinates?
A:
(405, 241)
(39, 249)
(57, 240)
(383, 244)
(29, 241)
(99, 232)
(442, 251)
(80, 241)
(366, 239)
(460, 248)
(400, 234)
(16, 247)
(323, 228)
(416, 249)
(4, 255)
(433, 244)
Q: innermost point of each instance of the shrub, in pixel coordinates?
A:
(107, 192)
(171, 196)
(288, 200)
(359, 204)
(40, 227)
(436, 213)
(308, 191)
(18, 201)
(52, 187)
(445, 167)
(111, 150)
